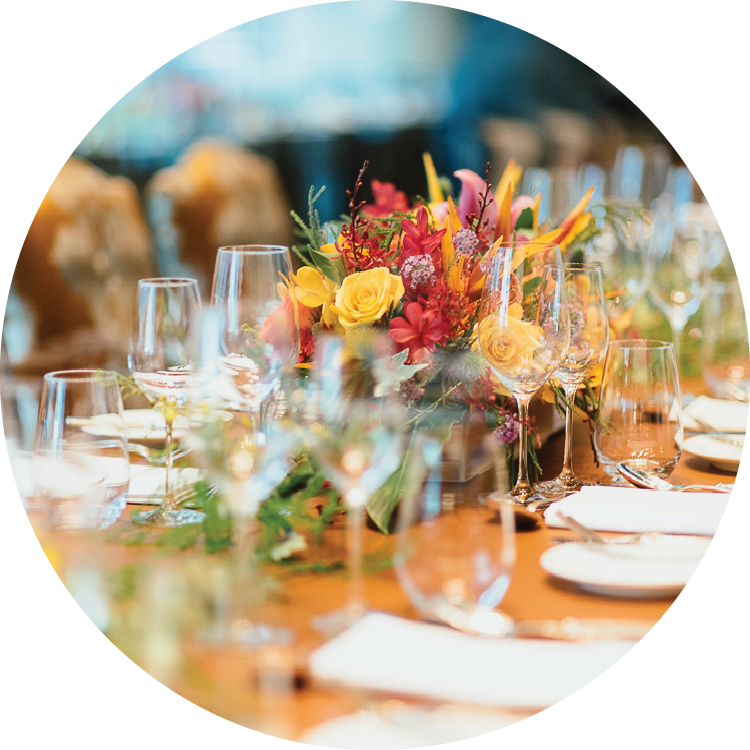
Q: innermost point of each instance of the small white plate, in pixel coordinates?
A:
(141, 426)
(721, 454)
(719, 414)
(658, 568)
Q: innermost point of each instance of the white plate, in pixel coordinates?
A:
(721, 454)
(719, 414)
(657, 568)
(141, 426)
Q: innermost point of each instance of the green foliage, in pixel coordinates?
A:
(525, 219)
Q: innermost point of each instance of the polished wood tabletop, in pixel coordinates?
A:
(270, 689)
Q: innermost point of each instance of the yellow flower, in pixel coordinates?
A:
(507, 342)
(315, 290)
(366, 297)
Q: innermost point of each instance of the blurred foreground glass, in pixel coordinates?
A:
(454, 560)
(589, 335)
(726, 361)
(639, 421)
(80, 463)
(356, 436)
(162, 367)
(252, 287)
(523, 330)
(244, 464)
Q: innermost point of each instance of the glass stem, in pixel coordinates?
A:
(169, 501)
(567, 476)
(355, 521)
(678, 321)
(523, 490)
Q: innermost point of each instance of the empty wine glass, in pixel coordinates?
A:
(639, 421)
(162, 367)
(245, 465)
(356, 435)
(453, 560)
(252, 288)
(726, 361)
(80, 463)
(523, 330)
(678, 270)
(589, 335)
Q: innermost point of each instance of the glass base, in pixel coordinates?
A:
(168, 519)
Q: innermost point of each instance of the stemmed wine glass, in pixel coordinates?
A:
(523, 330)
(589, 335)
(678, 270)
(161, 364)
(357, 438)
(252, 288)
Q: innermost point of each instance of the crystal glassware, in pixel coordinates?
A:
(80, 463)
(253, 289)
(244, 465)
(589, 335)
(639, 420)
(726, 361)
(678, 270)
(453, 560)
(356, 435)
(162, 367)
(523, 330)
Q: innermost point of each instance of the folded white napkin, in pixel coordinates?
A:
(147, 482)
(718, 414)
(630, 509)
(386, 653)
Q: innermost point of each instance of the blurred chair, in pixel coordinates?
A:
(76, 275)
(569, 137)
(508, 138)
(217, 194)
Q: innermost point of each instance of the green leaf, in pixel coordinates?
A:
(531, 286)
(525, 219)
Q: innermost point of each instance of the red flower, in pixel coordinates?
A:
(419, 331)
(387, 200)
(419, 241)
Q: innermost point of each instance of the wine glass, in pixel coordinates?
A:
(453, 560)
(245, 465)
(523, 330)
(162, 368)
(80, 463)
(639, 420)
(356, 434)
(252, 287)
(726, 361)
(589, 335)
(678, 270)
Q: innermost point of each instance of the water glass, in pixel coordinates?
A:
(639, 421)
(80, 458)
(454, 560)
(726, 361)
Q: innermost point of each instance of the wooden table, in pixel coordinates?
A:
(269, 689)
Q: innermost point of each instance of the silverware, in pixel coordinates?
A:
(594, 536)
(649, 482)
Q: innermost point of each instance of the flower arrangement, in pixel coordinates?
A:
(416, 270)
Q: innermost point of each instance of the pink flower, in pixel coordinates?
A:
(518, 205)
(387, 200)
(419, 331)
(472, 186)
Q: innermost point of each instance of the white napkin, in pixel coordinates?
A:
(634, 510)
(147, 482)
(387, 653)
(718, 414)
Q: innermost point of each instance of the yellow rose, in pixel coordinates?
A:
(366, 297)
(508, 343)
(313, 290)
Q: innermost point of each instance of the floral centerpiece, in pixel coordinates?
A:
(416, 270)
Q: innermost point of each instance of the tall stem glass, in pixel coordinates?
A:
(523, 331)
(252, 289)
(589, 335)
(162, 367)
